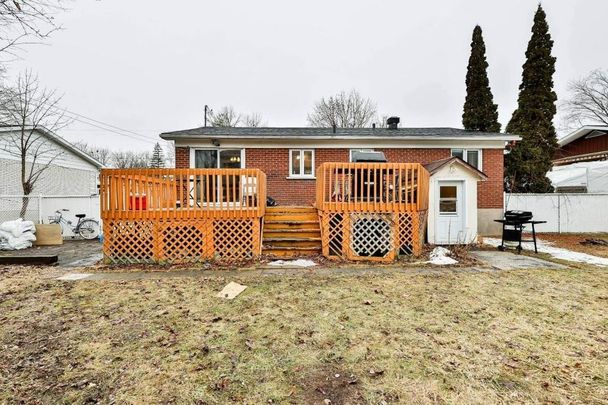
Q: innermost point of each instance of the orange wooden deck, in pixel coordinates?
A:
(181, 215)
(372, 211)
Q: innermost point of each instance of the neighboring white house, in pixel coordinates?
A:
(452, 215)
(70, 172)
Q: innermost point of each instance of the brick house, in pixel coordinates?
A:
(587, 144)
(290, 157)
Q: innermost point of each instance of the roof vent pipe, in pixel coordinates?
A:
(333, 128)
(374, 125)
(392, 122)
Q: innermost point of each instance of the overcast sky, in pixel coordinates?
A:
(151, 66)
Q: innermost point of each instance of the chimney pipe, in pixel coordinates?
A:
(374, 125)
(333, 128)
(392, 122)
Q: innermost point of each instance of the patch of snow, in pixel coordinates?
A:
(74, 276)
(441, 256)
(291, 263)
(558, 253)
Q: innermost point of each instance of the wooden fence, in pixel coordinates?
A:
(372, 211)
(181, 215)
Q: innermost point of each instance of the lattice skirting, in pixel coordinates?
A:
(181, 241)
(372, 236)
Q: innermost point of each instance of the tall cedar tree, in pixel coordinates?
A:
(158, 158)
(529, 160)
(480, 112)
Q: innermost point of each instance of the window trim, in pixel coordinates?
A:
(193, 156)
(301, 175)
(465, 155)
(350, 152)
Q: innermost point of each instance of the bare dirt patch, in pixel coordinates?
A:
(329, 386)
(572, 241)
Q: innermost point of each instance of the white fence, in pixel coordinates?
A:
(564, 212)
(41, 207)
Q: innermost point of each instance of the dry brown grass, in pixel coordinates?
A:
(519, 336)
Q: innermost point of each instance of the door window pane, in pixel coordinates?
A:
(447, 192)
(473, 158)
(447, 206)
(448, 200)
(295, 162)
(307, 162)
(205, 159)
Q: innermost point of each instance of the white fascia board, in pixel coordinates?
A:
(345, 143)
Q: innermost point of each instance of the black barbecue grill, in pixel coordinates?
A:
(513, 225)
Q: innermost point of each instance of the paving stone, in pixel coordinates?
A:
(511, 261)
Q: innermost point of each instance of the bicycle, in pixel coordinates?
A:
(87, 228)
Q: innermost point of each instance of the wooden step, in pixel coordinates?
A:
(291, 242)
(292, 209)
(288, 216)
(291, 251)
(287, 233)
(275, 225)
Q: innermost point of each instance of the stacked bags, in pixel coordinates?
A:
(17, 234)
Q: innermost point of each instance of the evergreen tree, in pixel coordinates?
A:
(158, 158)
(530, 159)
(480, 112)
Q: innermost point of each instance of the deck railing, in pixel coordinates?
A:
(372, 187)
(182, 193)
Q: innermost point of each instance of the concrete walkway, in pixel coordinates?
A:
(510, 261)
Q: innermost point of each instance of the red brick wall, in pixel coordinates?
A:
(182, 158)
(490, 192)
(583, 146)
(423, 156)
(275, 163)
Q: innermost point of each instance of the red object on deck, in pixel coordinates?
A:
(138, 203)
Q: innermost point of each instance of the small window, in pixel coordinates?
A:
(471, 156)
(448, 200)
(358, 150)
(301, 163)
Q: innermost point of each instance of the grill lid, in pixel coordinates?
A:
(515, 215)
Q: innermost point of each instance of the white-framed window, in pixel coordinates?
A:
(302, 163)
(217, 158)
(471, 156)
(350, 155)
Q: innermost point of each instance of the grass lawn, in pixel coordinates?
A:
(456, 337)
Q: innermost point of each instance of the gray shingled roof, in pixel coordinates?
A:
(307, 132)
(433, 167)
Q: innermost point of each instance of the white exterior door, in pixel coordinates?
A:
(450, 215)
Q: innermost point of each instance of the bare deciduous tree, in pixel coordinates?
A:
(170, 153)
(225, 117)
(129, 159)
(588, 102)
(253, 120)
(31, 110)
(23, 22)
(101, 154)
(344, 110)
